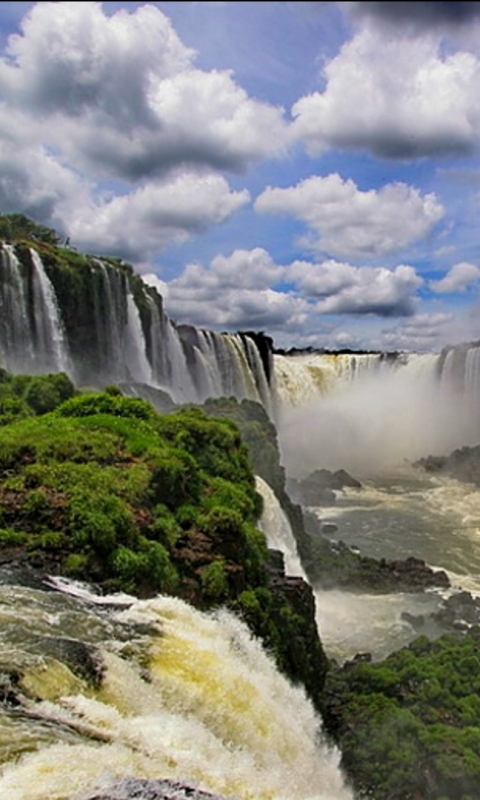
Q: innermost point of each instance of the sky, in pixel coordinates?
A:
(306, 169)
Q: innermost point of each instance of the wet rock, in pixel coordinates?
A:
(334, 564)
(458, 612)
(136, 789)
(318, 488)
(84, 660)
(329, 527)
(462, 464)
(417, 621)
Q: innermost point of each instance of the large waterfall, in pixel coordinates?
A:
(362, 412)
(98, 321)
(178, 694)
(101, 324)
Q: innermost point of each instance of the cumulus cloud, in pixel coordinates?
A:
(346, 289)
(458, 279)
(407, 98)
(351, 223)
(232, 293)
(139, 224)
(110, 133)
(121, 94)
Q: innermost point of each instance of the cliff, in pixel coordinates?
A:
(102, 488)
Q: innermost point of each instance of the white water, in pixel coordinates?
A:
(195, 699)
(374, 420)
(389, 413)
(52, 352)
(138, 366)
(276, 527)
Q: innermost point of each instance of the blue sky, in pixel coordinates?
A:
(308, 169)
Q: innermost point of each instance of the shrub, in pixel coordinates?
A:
(150, 567)
(106, 403)
(214, 582)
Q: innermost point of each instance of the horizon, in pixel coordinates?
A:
(309, 170)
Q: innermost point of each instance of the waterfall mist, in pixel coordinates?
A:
(378, 419)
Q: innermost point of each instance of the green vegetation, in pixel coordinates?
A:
(103, 488)
(17, 227)
(410, 725)
(28, 395)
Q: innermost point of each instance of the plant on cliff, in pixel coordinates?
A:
(27, 395)
(16, 227)
(105, 488)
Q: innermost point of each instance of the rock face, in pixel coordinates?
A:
(463, 464)
(318, 488)
(133, 789)
(304, 658)
(459, 612)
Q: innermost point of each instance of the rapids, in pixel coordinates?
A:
(184, 695)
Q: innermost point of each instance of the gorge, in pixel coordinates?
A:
(233, 724)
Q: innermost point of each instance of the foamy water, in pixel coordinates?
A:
(196, 698)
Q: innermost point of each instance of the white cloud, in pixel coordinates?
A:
(243, 269)
(351, 223)
(400, 97)
(457, 279)
(120, 94)
(345, 289)
(233, 293)
(138, 224)
(33, 182)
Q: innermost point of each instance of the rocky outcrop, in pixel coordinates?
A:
(295, 614)
(318, 488)
(334, 564)
(456, 614)
(135, 789)
(463, 464)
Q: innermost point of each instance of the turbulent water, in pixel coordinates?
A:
(184, 695)
(374, 418)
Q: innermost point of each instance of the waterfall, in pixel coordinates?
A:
(97, 321)
(277, 529)
(101, 324)
(138, 366)
(51, 347)
(32, 336)
(183, 695)
(16, 346)
(378, 413)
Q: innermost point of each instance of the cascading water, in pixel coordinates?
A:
(277, 529)
(51, 347)
(180, 694)
(376, 414)
(15, 330)
(86, 319)
(32, 337)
